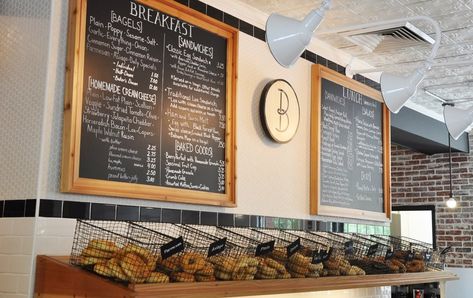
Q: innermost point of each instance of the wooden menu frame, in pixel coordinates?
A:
(70, 180)
(321, 72)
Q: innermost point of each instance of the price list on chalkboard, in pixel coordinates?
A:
(351, 149)
(154, 99)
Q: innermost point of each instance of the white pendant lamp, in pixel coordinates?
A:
(451, 202)
(287, 38)
(397, 90)
(457, 120)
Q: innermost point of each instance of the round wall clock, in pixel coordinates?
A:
(279, 111)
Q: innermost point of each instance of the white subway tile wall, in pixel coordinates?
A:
(16, 247)
(54, 236)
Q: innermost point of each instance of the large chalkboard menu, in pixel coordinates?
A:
(350, 148)
(151, 87)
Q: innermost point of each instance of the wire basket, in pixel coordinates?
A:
(189, 264)
(121, 251)
(236, 261)
(416, 256)
(260, 246)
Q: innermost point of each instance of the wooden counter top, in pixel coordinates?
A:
(55, 277)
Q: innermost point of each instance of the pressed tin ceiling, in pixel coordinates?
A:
(452, 83)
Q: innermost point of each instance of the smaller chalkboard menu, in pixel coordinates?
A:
(149, 103)
(350, 148)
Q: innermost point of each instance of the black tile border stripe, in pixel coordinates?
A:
(99, 211)
(18, 208)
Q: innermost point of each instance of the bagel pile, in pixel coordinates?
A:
(131, 263)
(338, 265)
(235, 268)
(187, 267)
(136, 264)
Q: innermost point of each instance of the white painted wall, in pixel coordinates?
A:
(462, 288)
(415, 224)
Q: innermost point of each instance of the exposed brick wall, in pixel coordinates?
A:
(419, 179)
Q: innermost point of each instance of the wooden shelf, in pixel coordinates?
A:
(56, 278)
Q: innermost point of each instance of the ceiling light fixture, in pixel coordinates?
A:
(457, 120)
(287, 38)
(396, 89)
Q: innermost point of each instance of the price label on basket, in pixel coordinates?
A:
(293, 247)
(321, 256)
(317, 257)
(372, 250)
(171, 248)
(349, 247)
(217, 247)
(427, 256)
(389, 254)
(264, 248)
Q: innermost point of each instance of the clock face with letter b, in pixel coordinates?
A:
(279, 111)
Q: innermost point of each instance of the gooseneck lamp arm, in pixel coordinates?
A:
(312, 20)
(287, 38)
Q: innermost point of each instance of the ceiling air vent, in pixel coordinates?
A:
(388, 37)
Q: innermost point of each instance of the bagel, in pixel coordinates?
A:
(86, 261)
(103, 269)
(286, 275)
(96, 253)
(117, 271)
(239, 272)
(182, 277)
(135, 268)
(314, 274)
(144, 253)
(267, 271)
(275, 265)
(296, 275)
(251, 270)
(279, 254)
(204, 278)
(223, 275)
(192, 262)
(316, 267)
(207, 270)
(170, 264)
(264, 276)
(249, 260)
(102, 244)
(226, 264)
(298, 269)
(157, 277)
(299, 260)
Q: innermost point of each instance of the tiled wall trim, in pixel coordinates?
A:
(17, 208)
(97, 211)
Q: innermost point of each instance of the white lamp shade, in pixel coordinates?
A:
(457, 120)
(397, 90)
(287, 38)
